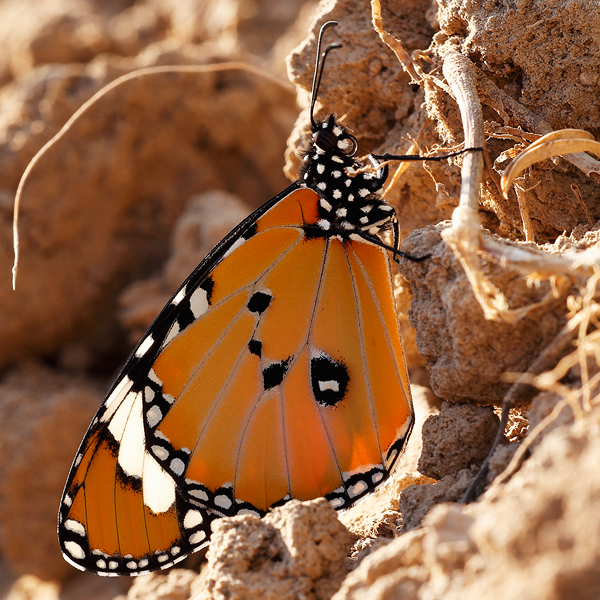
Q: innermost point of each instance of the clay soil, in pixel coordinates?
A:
(121, 208)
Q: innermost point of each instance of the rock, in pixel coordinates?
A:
(297, 551)
(467, 354)
(456, 438)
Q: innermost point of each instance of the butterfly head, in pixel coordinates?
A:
(331, 136)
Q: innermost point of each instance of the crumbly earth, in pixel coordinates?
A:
(116, 213)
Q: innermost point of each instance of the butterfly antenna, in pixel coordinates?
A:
(319, 64)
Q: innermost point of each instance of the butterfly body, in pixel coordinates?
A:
(276, 371)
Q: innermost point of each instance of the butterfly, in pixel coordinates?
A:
(276, 371)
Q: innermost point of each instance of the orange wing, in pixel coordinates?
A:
(275, 372)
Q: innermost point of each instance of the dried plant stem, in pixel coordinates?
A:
(463, 236)
(394, 44)
(524, 210)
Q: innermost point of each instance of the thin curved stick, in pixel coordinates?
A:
(88, 104)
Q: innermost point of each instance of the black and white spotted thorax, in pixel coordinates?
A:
(349, 201)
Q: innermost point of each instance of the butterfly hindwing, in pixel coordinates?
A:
(275, 372)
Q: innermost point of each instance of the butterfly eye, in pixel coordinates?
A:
(348, 145)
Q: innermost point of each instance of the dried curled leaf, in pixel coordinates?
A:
(557, 143)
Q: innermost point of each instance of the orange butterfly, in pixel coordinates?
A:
(276, 371)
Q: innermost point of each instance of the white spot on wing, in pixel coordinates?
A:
(223, 501)
(320, 168)
(325, 204)
(131, 449)
(199, 299)
(172, 333)
(391, 458)
(120, 416)
(153, 377)
(233, 246)
(160, 452)
(161, 436)
(337, 159)
(75, 550)
(144, 346)
(377, 476)
(153, 416)
(179, 296)
(75, 527)
(329, 385)
(197, 537)
(323, 224)
(358, 488)
(177, 466)
(158, 489)
(337, 194)
(115, 398)
(200, 494)
(192, 519)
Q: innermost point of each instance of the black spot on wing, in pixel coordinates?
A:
(255, 347)
(250, 231)
(208, 285)
(185, 316)
(274, 373)
(329, 379)
(259, 302)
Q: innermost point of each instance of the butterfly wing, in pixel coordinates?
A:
(275, 372)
